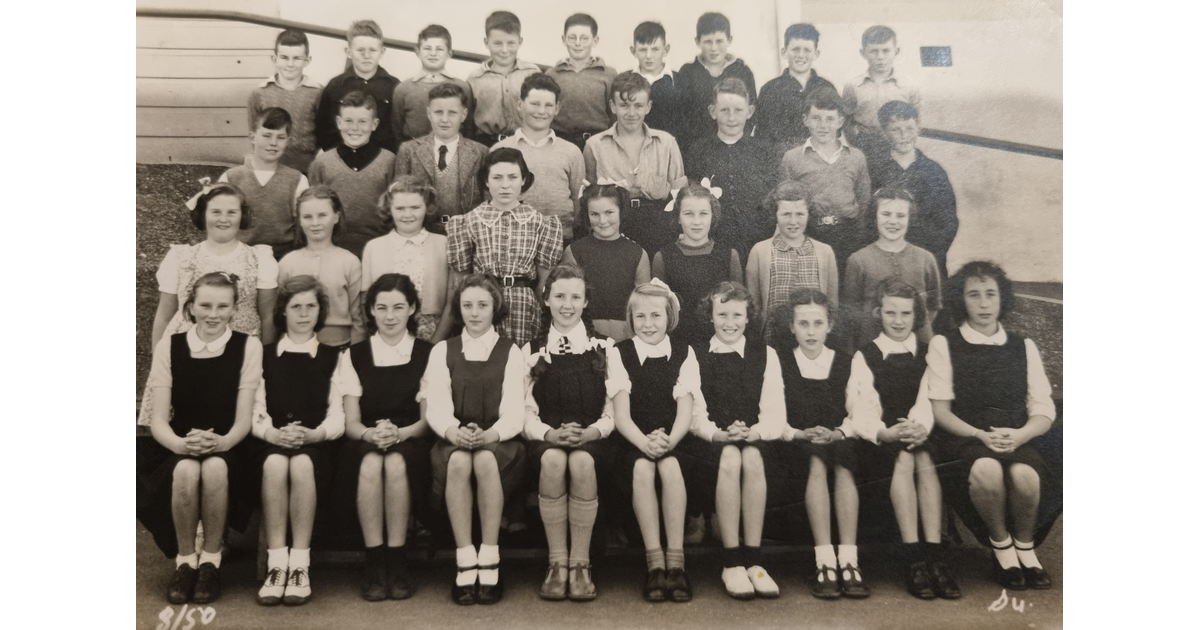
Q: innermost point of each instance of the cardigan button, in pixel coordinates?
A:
(289, 415)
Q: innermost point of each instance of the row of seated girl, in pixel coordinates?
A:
(732, 420)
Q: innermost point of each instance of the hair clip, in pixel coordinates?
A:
(206, 185)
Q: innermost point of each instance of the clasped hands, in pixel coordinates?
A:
(201, 442)
(657, 444)
(292, 435)
(470, 437)
(737, 432)
(571, 434)
(906, 431)
(816, 435)
(1001, 440)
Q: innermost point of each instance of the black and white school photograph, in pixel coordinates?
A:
(633, 314)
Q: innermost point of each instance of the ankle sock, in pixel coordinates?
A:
(825, 556)
(214, 558)
(732, 557)
(1005, 554)
(1026, 555)
(655, 559)
(753, 556)
(277, 558)
(298, 558)
(190, 560)
(847, 555)
(582, 515)
(489, 555)
(674, 558)
(912, 553)
(466, 557)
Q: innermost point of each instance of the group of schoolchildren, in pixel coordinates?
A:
(521, 277)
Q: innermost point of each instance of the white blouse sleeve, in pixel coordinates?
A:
(689, 379)
(618, 377)
(268, 269)
(1037, 398)
(512, 396)
(261, 420)
(941, 376)
(862, 401)
(435, 390)
(168, 272)
(347, 376)
(606, 424)
(922, 410)
(335, 415)
(772, 409)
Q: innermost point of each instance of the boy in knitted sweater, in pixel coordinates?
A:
(289, 88)
(270, 187)
(358, 169)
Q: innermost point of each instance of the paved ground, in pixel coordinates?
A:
(337, 603)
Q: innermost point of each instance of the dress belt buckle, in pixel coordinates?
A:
(445, 218)
(635, 203)
(509, 281)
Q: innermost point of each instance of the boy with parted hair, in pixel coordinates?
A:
(496, 83)
(777, 117)
(557, 165)
(584, 81)
(270, 186)
(364, 49)
(289, 88)
(866, 93)
(411, 97)
(444, 158)
(650, 48)
(698, 78)
(358, 169)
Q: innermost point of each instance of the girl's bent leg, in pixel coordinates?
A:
(816, 502)
(674, 501)
(552, 502)
(904, 497)
(370, 499)
(929, 495)
(459, 501)
(275, 500)
(397, 500)
(645, 502)
(846, 500)
(185, 504)
(754, 496)
(1025, 492)
(214, 504)
(986, 485)
(303, 508)
(489, 495)
(582, 504)
(729, 494)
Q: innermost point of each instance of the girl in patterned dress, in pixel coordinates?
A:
(221, 211)
(412, 250)
(509, 240)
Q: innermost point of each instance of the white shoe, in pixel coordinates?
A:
(693, 531)
(764, 586)
(271, 593)
(298, 589)
(737, 583)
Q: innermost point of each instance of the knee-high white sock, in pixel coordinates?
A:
(466, 557)
(582, 516)
(1026, 555)
(1005, 554)
(489, 555)
(554, 518)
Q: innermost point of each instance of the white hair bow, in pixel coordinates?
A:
(604, 181)
(706, 183)
(206, 185)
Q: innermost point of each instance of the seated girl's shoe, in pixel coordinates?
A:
(208, 584)
(678, 586)
(581, 587)
(764, 586)
(298, 590)
(944, 583)
(490, 593)
(1036, 577)
(554, 587)
(737, 583)
(852, 582)
(183, 584)
(655, 589)
(825, 583)
(271, 593)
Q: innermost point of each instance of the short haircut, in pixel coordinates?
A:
(290, 289)
(713, 23)
(358, 98)
(893, 192)
(321, 191)
(785, 314)
(364, 28)
(878, 34)
(613, 192)
(731, 85)
(292, 37)
(801, 31)
(219, 279)
(435, 31)
(504, 154)
(391, 282)
(448, 89)
(895, 288)
(504, 21)
(406, 184)
(648, 32)
(728, 291)
(654, 290)
(541, 81)
(899, 110)
(581, 19)
(955, 301)
(696, 191)
(273, 118)
(220, 189)
(627, 85)
(788, 190)
(484, 281)
(825, 98)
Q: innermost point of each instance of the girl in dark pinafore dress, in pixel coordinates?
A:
(208, 376)
(990, 397)
(567, 415)
(385, 459)
(474, 390)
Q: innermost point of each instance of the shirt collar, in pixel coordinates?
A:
(887, 345)
(812, 74)
(808, 144)
(490, 216)
(593, 62)
(381, 348)
(895, 78)
(417, 240)
(486, 66)
(196, 344)
(782, 245)
(577, 337)
(305, 81)
(974, 336)
(287, 345)
(729, 61)
(647, 351)
(429, 77)
(519, 135)
(666, 72)
(716, 346)
(651, 134)
(821, 363)
(485, 342)
(452, 145)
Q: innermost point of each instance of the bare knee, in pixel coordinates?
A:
(816, 469)
(904, 464)
(371, 466)
(581, 465)
(485, 464)
(186, 474)
(554, 463)
(1025, 480)
(752, 461)
(275, 467)
(395, 466)
(643, 472)
(731, 461)
(214, 473)
(301, 466)
(459, 467)
(668, 470)
(987, 474)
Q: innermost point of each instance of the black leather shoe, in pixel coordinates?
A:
(655, 589)
(678, 586)
(944, 583)
(1035, 577)
(375, 587)
(490, 593)
(400, 584)
(465, 595)
(920, 581)
(1011, 578)
(852, 582)
(208, 584)
(825, 583)
(183, 584)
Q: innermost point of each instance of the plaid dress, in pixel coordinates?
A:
(791, 268)
(507, 243)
